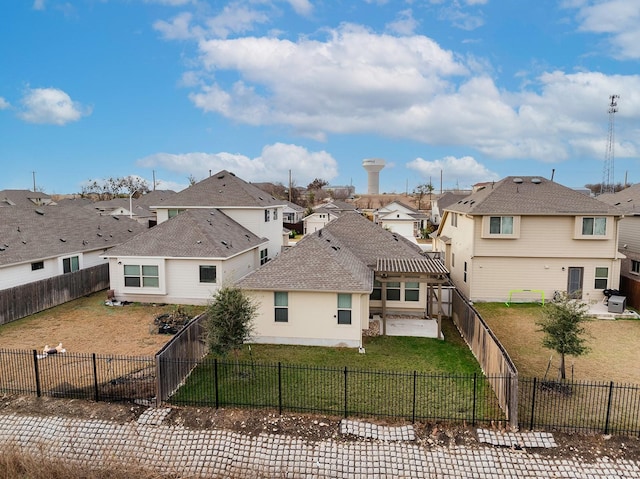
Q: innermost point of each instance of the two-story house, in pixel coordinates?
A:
(402, 219)
(628, 200)
(522, 237)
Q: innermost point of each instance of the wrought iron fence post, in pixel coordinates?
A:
(533, 402)
(95, 377)
(475, 391)
(413, 414)
(280, 387)
(606, 424)
(37, 371)
(345, 392)
(215, 380)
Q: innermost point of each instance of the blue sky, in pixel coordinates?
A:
(470, 90)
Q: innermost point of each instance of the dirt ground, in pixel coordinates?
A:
(613, 345)
(87, 325)
(588, 448)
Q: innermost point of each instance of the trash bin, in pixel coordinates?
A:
(617, 304)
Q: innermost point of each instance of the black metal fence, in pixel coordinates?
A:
(82, 376)
(341, 391)
(569, 406)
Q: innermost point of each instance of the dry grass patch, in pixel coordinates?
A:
(614, 353)
(87, 325)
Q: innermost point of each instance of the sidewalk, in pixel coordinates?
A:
(217, 453)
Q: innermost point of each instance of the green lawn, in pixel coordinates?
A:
(396, 377)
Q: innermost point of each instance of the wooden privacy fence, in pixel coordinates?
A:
(21, 301)
(176, 360)
(491, 355)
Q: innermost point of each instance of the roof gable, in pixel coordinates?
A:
(627, 200)
(222, 190)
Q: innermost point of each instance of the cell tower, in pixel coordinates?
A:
(608, 179)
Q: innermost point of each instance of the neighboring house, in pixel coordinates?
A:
(628, 200)
(40, 243)
(125, 207)
(243, 202)
(324, 290)
(442, 202)
(185, 259)
(319, 219)
(292, 213)
(324, 213)
(402, 219)
(24, 198)
(530, 233)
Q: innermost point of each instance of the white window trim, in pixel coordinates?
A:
(578, 229)
(161, 289)
(486, 227)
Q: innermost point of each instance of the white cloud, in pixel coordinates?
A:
(617, 18)
(301, 7)
(273, 165)
(405, 24)
(39, 5)
(4, 104)
(172, 3)
(463, 172)
(50, 106)
(178, 28)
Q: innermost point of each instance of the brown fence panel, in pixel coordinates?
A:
(491, 355)
(630, 288)
(21, 301)
(176, 360)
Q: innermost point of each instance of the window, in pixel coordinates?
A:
(207, 274)
(501, 225)
(145, 276)
(69, 265)
(465, 272)
(174, 212)
(275, 214)
(412, 291)
(454, 219)
(344, 308)
(594, 226)
(376, 294)
(267, 216)
(635, 267)
(281, 302)
(453, 260)
(393, 291)
(264, 256)
(602, 277)
(37, 265)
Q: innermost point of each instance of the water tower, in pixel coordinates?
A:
(373, 167)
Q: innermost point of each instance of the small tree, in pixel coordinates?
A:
(562, 327)
(421, 191)
(230, 320)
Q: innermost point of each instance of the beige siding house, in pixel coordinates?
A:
(628, 200)
(401, 219)
(524, 237)
(324, 290)
(183, 260)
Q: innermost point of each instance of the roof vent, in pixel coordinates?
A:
(517, 180)
(63, 240)
(39, 211)
(221, 176)
(223, 242)
(116, 218)
(536, 181)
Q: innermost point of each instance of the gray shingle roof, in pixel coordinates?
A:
(340, 257)
(316, 263)
(24, 198)
(28, 235)
(627, 200)
(199, 233)
(222, 190)
(529, 195)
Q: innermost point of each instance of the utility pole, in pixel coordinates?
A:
(34, 180)
(608, 178)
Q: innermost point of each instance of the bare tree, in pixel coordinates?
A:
(421, 191)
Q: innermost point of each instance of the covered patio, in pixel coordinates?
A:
(429, 270)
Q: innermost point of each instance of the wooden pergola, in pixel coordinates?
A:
(420, 270)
